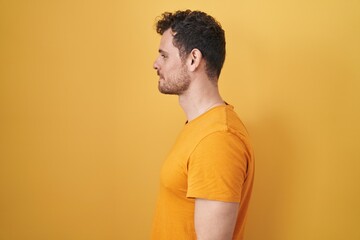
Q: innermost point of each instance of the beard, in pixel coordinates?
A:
(175, 84)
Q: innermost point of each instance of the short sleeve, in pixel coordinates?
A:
(217, 168)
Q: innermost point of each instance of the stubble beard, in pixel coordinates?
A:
(175, 84)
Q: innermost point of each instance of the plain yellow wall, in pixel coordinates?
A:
(83, 129)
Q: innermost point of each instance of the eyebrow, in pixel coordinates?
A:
(162, 51)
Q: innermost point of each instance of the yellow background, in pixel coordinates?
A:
(83, 129)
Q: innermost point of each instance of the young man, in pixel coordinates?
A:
(207, 178)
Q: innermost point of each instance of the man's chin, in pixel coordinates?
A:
(166, 91)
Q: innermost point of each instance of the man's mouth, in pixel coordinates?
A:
(160, 76)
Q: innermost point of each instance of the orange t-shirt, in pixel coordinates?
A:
(211, 159)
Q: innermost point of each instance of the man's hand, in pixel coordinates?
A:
(215, 220)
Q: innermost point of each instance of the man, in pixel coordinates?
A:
(207, 178)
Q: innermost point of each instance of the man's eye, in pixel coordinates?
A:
(163, 56)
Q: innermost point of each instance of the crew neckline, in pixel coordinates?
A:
(226, 105)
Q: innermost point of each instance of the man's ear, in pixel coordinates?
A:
(194, 59)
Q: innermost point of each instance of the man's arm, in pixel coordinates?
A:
(215, 220)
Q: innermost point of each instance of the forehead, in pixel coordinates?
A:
(166, 42)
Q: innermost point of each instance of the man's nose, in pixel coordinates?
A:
(156, 65)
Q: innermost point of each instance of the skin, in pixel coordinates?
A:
(215, 220)
(187, 78)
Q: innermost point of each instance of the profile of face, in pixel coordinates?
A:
(172, 71)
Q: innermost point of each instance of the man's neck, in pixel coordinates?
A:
(200, 99)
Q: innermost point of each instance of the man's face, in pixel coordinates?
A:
(174, 76)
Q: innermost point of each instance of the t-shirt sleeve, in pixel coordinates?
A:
(217, 168)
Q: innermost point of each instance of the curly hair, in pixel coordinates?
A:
(196, 29)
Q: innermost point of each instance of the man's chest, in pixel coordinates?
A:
(175, 169)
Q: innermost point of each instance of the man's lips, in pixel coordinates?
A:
(160, 75)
